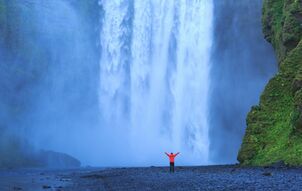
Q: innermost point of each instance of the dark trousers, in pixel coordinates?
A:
(171, 166)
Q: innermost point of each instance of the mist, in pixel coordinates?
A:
(48, 75)
(242, 64)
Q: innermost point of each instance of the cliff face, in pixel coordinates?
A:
(274, 127)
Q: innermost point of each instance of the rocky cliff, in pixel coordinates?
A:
(274, 127)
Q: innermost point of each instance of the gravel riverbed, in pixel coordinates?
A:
(154, 178)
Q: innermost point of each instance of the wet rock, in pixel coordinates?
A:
(267, 174)
(95, 176)
(297, 85)
(65, 179)
(46, 187)
(279, 164)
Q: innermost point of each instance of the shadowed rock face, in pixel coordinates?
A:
(51, 159)
(17, 152)
(243, 62)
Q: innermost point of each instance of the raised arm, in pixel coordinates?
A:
(166, 153)
(177, 153)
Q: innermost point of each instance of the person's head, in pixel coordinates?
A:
(171, 153)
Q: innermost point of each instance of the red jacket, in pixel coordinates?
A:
(172, 156)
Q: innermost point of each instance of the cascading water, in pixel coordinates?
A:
(145, 87)
(154, 67)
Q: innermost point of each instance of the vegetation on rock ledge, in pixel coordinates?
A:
(274, 127)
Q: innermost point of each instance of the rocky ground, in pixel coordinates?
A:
(154, 178)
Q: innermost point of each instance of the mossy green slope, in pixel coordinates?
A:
(274, 127)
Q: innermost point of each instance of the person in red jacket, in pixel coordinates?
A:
(171, 158)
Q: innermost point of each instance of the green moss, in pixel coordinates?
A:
(291, 30)
(282, 24)
(272, 23)
(274, 127)
(274, 130)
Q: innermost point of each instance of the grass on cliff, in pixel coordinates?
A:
(271, 135)
(281, 26)
(274, 127)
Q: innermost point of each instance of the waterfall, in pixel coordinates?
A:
(119, 82)
(154, 81)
